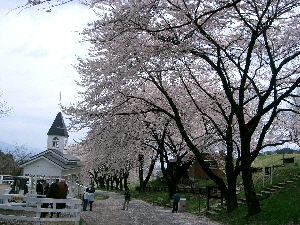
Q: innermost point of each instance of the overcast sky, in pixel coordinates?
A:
(37, 50)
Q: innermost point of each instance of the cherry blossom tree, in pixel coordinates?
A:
(175, 158)
(224, 72)
(249, 48)
(45, 5)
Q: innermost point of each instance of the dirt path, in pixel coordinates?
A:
(109, 212)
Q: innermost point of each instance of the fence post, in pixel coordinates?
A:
(77, 206)
(38, 212)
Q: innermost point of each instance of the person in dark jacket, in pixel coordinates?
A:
(127, 198)
(176, 199)
(39, 188)
(92, 189)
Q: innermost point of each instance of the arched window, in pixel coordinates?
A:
(55, 142)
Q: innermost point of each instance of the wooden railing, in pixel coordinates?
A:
(178, 189)
(30, 204)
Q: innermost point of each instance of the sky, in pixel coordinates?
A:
(37, 52)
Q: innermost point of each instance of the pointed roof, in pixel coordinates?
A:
(58, 127)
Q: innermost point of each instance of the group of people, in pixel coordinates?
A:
(42, 188)
(88, 198)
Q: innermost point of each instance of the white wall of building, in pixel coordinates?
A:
(42, 167)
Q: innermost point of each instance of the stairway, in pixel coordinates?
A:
(264, 193)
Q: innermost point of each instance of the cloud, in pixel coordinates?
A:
(38, 50)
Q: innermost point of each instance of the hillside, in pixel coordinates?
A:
(280, 201)
(275, 159)
(5, 147)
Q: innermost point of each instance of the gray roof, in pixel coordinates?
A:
(65, 161)
(58, 127)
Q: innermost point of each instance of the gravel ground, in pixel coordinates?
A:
(109, 212)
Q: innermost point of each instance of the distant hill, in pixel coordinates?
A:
(282, 151)
(5, 147)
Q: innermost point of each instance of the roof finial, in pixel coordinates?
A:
(60, 97)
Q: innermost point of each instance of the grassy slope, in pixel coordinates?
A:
(280, 208)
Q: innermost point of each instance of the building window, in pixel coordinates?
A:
(55, 142)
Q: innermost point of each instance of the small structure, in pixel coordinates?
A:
(196, 171)
(55, 162)
(288, 161)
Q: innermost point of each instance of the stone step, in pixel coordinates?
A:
(289, 181)
(243, 199)
(277, 187)
(271, 189)
(209, 212)
(265, 192)
(281, 184)
(216, 209)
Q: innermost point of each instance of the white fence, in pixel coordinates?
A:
(31, 204)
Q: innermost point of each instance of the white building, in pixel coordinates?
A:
(55, 162)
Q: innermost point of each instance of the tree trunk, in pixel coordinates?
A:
(231, 176)
(126, 174)
(230, 194)
(141, 171)
(253, 204)
(252, 200)
(172, 189)
(107, 183)
(117, 182)
(111, 183)
(149, 174)
(121, 184)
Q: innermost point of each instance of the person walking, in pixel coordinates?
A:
(176, 199)
(85, 199)
(91, 199)
(92, 189)
(127, 197)
(46, 189)
(39, 189)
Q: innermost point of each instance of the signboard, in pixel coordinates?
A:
(267, 173)
(214, 192)
(16, 198)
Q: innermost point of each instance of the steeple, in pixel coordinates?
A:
(58, 127)
(58, 134)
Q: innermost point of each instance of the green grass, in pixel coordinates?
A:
(100, 197)
(276, 159)
(281, 208)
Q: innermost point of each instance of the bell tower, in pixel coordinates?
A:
(58, 134)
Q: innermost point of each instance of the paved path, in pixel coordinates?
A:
(109, 212)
